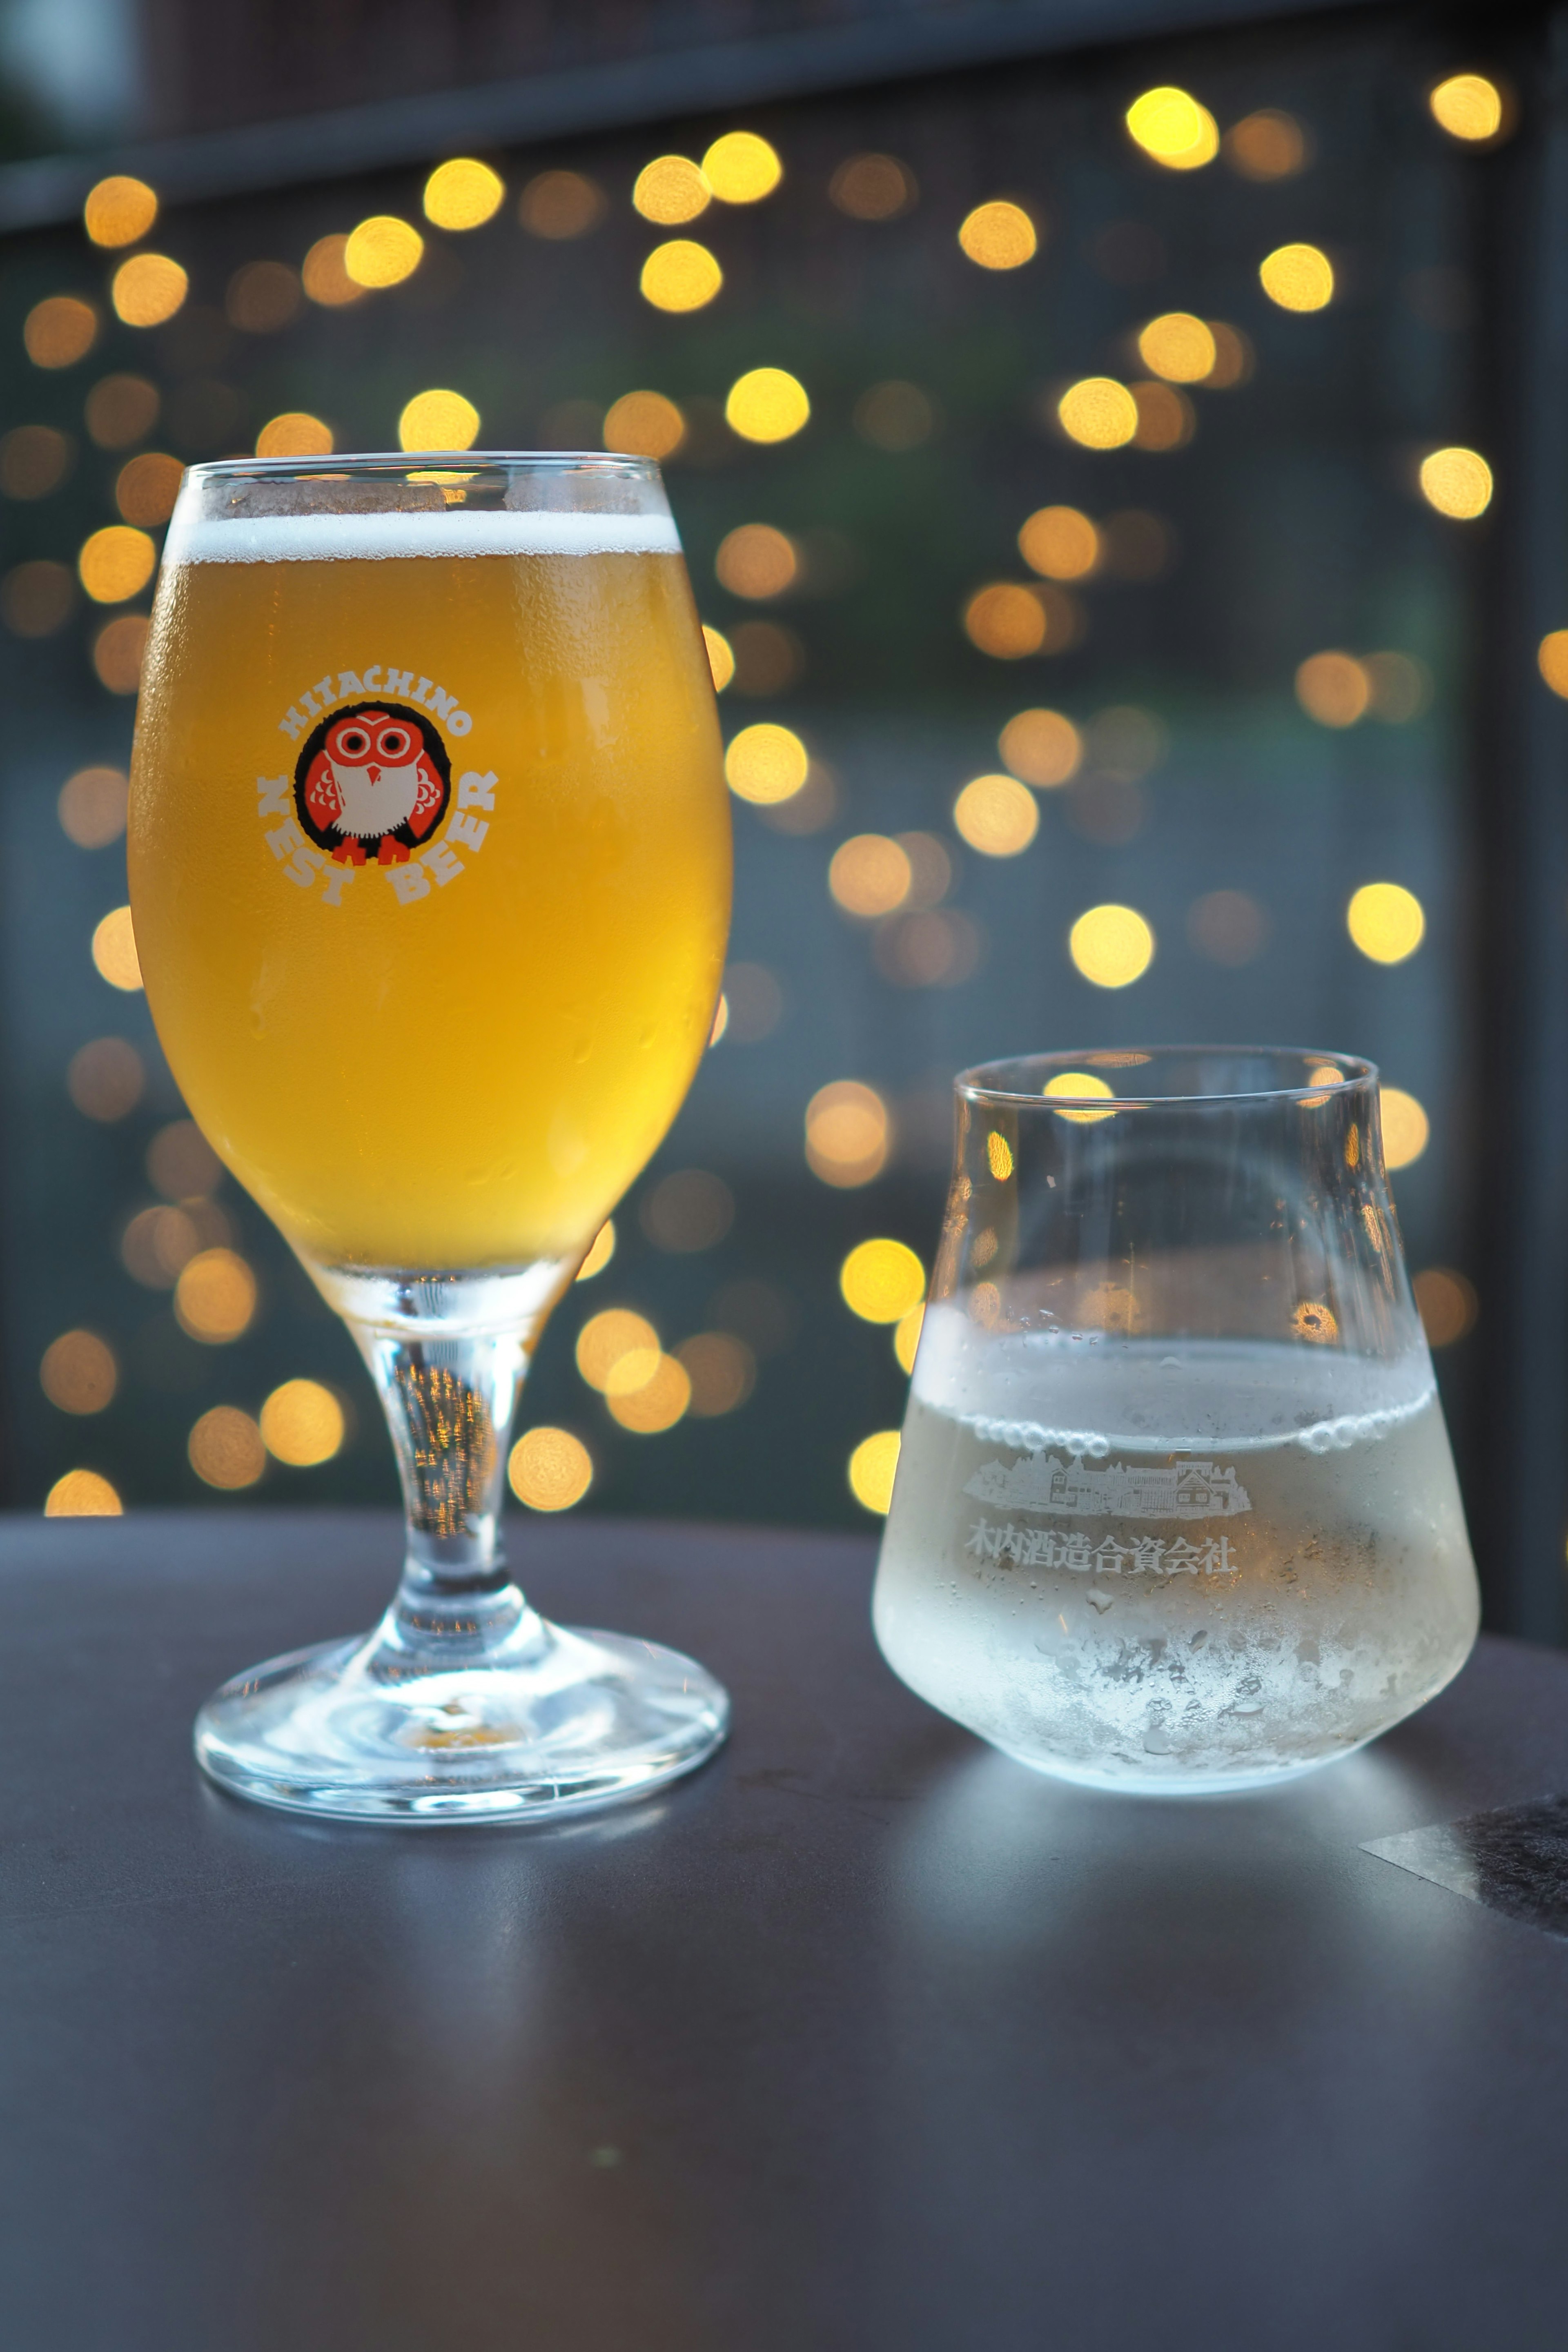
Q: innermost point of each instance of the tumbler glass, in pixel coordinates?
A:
(1175, 1509)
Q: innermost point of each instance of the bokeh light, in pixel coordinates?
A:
(1297, 277)
(848, 1133)
(1406, 1128)
(1551, 657)
(999, 236)
(383, 251)
(119, 211)
(720, 656)
(996, 816)
(671, 189)
(262, 296)
(1005, 621)
(215, 1298)
(644, 424)
(181, 1163)
(34, 460)
(1098, 413)
(1178, 347)
(37, 598)
(105, 1079)
(871, 1470)
(907, 1337)
(114, 949)
(1079, 1086)
(59, 331)
(1469, 107)
(680, 275)
(895, 416)
(756, 562)
(1234, 358)
(549, 1469)
(688, 1211)
(722, 1369)
(1268, 145)
(145, 489)
(767, 404)
(1172, 129)
(82, 1494)
(1333, 689)
(121, 409)
(1060, 543)
(656, 1402)
(869, 875)
(116, 562)
(439, 420)
(1386, 921)
(226, 1449)
(1227, 926)
(741, 168)
(1042, 746)
(1112, 945)
(302, 1424)
(117, 650)
(91, 806)
(607, 1339)
(294, 434)
(324, 274)
(873, 188)
(559, 206)
(78, 1373)
(1446, 1303)
(766, 763)
(148, 289)
(463, 193)
(1400, 687)
(881, 1280)
(1458, 482)
(600, 1255)
(1167, 417)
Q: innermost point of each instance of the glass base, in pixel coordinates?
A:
(1180, 1784)
(554, 1720)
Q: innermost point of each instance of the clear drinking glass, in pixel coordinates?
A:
(1175, 1509)
(430, 875)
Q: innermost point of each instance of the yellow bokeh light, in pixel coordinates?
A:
(1386, 921)
(1458, 482)
(720, 656)
(873, 188)
(996, 816)
(1079, 1085)
(766, 763)
(215, 1298)
(999, 236)
(117, 651)
(1268, 145)
(1060, 542)
(1005, 621)
(1099, 413)
(147, 290)
(608, 1336)
(302, 1424)
(82, 1494)
(881, 1280)
(295, 433)
(741, 168)
(602, 1252)
(756, 562)
(59, 331)
(119, 211)
(657, 1400)
(78, 1373)
(1333, 689)
(439, 420)
(906, 1338)
(326, 279)
(383, 251)
(998, 1156)
(1173, 129)
(92, 805)
(869, 875)
(226, 1449)
(1112, 946)
(1551, 657)
(847, 1133)
(116, 562)
(679, 275)
(549, 1469)
(1178, 347)
(644, 424)
(463, 193)
(1042, 746)
(1233, 358)
(767, 404)
(1297, 277)
(1467, 106)
(1167, 417)
(872, 1466)
(1406, 1128)
(1446, 1303)
(114, 950)
(671, 189)
(145, 489)
(722, 1371)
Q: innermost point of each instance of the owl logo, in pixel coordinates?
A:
(373, 781)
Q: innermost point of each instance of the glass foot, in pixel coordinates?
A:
(555, 1719)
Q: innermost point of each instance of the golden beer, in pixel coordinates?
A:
(430, 1036)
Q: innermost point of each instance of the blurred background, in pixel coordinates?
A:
(1119, 455)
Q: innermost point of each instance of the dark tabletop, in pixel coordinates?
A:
(863, 2038)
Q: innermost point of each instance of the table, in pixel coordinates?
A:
(863, 2040)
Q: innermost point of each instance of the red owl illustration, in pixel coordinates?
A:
(373, 781)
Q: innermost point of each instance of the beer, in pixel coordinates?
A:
(1171, 1564)
(429, 867)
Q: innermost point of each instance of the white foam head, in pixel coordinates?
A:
(195, 538)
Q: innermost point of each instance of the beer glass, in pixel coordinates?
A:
(1174, 1509)
(429, 860)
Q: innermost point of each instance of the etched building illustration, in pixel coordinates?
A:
(1176, 1490)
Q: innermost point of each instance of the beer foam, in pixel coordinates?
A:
(1090, 1392)
(194, 538)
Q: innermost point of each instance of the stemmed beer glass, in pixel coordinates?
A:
(1174, 1509)
(429, 862)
